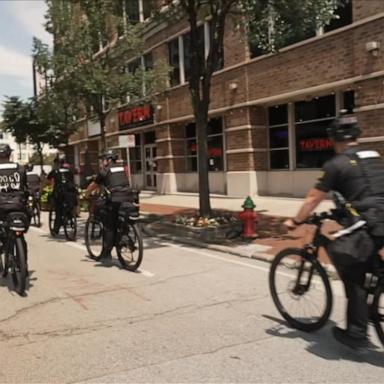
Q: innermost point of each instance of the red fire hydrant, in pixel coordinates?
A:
(248, 217)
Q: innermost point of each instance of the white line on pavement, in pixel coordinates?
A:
(336, 285)
(84, 249)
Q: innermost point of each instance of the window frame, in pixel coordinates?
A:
(339, 105)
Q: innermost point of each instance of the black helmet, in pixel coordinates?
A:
(60, 158)
(344, 128)
(109, 155)
(5, 151)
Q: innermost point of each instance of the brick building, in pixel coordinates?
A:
(269, 112)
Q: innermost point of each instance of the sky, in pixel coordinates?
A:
(20, 20)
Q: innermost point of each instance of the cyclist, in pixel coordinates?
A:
(33, 181)
(63, 188)
(13, 184)
(114, 179)
(348, 174)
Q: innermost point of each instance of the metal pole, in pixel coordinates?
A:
(129, 168)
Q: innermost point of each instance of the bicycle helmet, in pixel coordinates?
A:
(109, 155)
(344, 128)
(5, 151)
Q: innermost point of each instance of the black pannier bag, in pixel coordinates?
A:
(12, 202)
(124, 195)
(352, 248)
(128, 211)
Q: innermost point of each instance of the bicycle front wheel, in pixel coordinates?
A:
(52, 217)
(378, 310)
(300, 289)
(94, 237)
(37, 215)
(130, 247)
(17, 260)
(70, 227)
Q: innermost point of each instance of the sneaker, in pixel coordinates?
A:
(104, 257)
(358, 344)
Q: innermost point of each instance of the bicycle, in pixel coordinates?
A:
(128, 239)
(13, 249)
(302, 270)
(34, 209)
(68, 221)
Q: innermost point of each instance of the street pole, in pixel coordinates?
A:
(129, 168)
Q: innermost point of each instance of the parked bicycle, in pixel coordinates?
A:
(13, 249)
(128, 239)
(300, 286)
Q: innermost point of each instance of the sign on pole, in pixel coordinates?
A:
(128, 141)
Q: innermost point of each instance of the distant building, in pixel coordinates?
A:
(268, 113)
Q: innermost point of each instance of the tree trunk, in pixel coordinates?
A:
(102, 131)
(201, 117)
(41, 157)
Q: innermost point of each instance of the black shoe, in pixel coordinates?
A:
(105, 257)
(359, 344)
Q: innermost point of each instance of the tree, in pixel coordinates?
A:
(89, 56)
(22, 120)
(268, 23)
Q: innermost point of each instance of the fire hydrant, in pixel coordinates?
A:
(248, 217)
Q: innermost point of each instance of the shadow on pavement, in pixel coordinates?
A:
(322, 343)
(8, 283)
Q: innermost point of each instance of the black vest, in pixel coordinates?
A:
(116, 177)
(371, 207)
(11, 177)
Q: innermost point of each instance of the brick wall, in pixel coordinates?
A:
(366, 8)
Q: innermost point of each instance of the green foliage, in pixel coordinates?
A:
(89, 55)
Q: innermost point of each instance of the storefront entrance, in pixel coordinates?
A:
(150, 166)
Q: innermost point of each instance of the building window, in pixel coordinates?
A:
(278, 137)
(174, 61)
(309, 122)
(144, 64)
(133, 12)
(215, 146)
(180, 53)
(312, 118)
(343, 17)
(135, 155)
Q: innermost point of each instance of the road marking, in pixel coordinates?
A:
(84, 249)
(336, 285)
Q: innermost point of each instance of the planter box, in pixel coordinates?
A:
(204, 234)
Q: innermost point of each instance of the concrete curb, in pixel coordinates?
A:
(265, 257)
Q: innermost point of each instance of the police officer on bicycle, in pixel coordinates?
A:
(12, 175)
(114, 179)
(358, 175)
(63, 188)
(33, 181)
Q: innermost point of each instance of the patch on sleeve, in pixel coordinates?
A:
(368, 154)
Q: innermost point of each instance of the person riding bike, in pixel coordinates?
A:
(351, 173)
(13, 184)
(114, 179)
(64, 189)
(33, 181)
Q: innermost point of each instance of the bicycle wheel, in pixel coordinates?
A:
(52, 217)
(70, 227)
(36, 214)
(378, 310)
(300, 289)
(94, 237)
(130, 247)
(17, 261)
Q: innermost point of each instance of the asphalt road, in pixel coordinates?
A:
(189, 315)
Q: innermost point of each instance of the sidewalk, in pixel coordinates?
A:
(272, 237)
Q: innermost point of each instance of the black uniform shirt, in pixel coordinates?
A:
(342, 174)
(61, 176)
